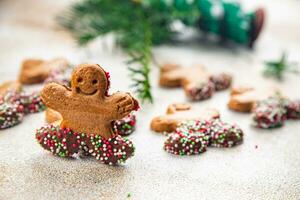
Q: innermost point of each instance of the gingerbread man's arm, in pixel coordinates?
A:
(122, 104)
(56, 96)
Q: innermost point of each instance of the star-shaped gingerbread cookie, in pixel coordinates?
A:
(178, 113)
(86, 106)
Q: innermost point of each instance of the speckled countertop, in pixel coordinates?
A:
(270, 171)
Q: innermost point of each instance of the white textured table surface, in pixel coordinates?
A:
(272, 171)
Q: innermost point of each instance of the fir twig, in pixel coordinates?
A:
(137, 25)
(277, 68)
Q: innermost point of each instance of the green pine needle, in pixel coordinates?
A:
(276, 69)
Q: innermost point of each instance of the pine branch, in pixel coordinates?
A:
(277, 68)
(137, 25)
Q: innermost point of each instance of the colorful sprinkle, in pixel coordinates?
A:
(30, 103)
(223, 134)
(221, 81)
(125, 126)
(292, 109)
(64, 142)
(10, 115)
(189, 138)
(201, 92)
(269, 113)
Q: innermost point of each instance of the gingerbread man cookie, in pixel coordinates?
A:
(243, 98)
(37, 70)
(197, 83)
(86, 107)
(194, 136)
(87, 115)
(177, 113)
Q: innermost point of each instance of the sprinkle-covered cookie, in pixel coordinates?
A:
(200, 92)
(221, 81)
(30, 103)
(292, 109)
(125, 126)
(189, 138)
(197, 83)
(64, 142)
(10, 115)
(223, 134)
(269, 113)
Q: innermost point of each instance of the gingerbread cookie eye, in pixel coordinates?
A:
(79, 80)
(94, 82)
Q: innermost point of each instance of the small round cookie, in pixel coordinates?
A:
(292, 109)
(223, 134)
(125, 126)
(189, 138)
(10, 115)
(221, 81)
(269, 113)
(200, 92)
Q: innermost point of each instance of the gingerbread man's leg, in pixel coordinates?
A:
(61, 141)
(110, 151)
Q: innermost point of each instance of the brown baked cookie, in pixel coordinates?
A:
(36, 70)
(85, 107)
(197, 83)
(87, 113)
(123, 127)
(242, 99)
(177, 113)
(10, 86)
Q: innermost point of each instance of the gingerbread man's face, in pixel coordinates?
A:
(89, 80)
